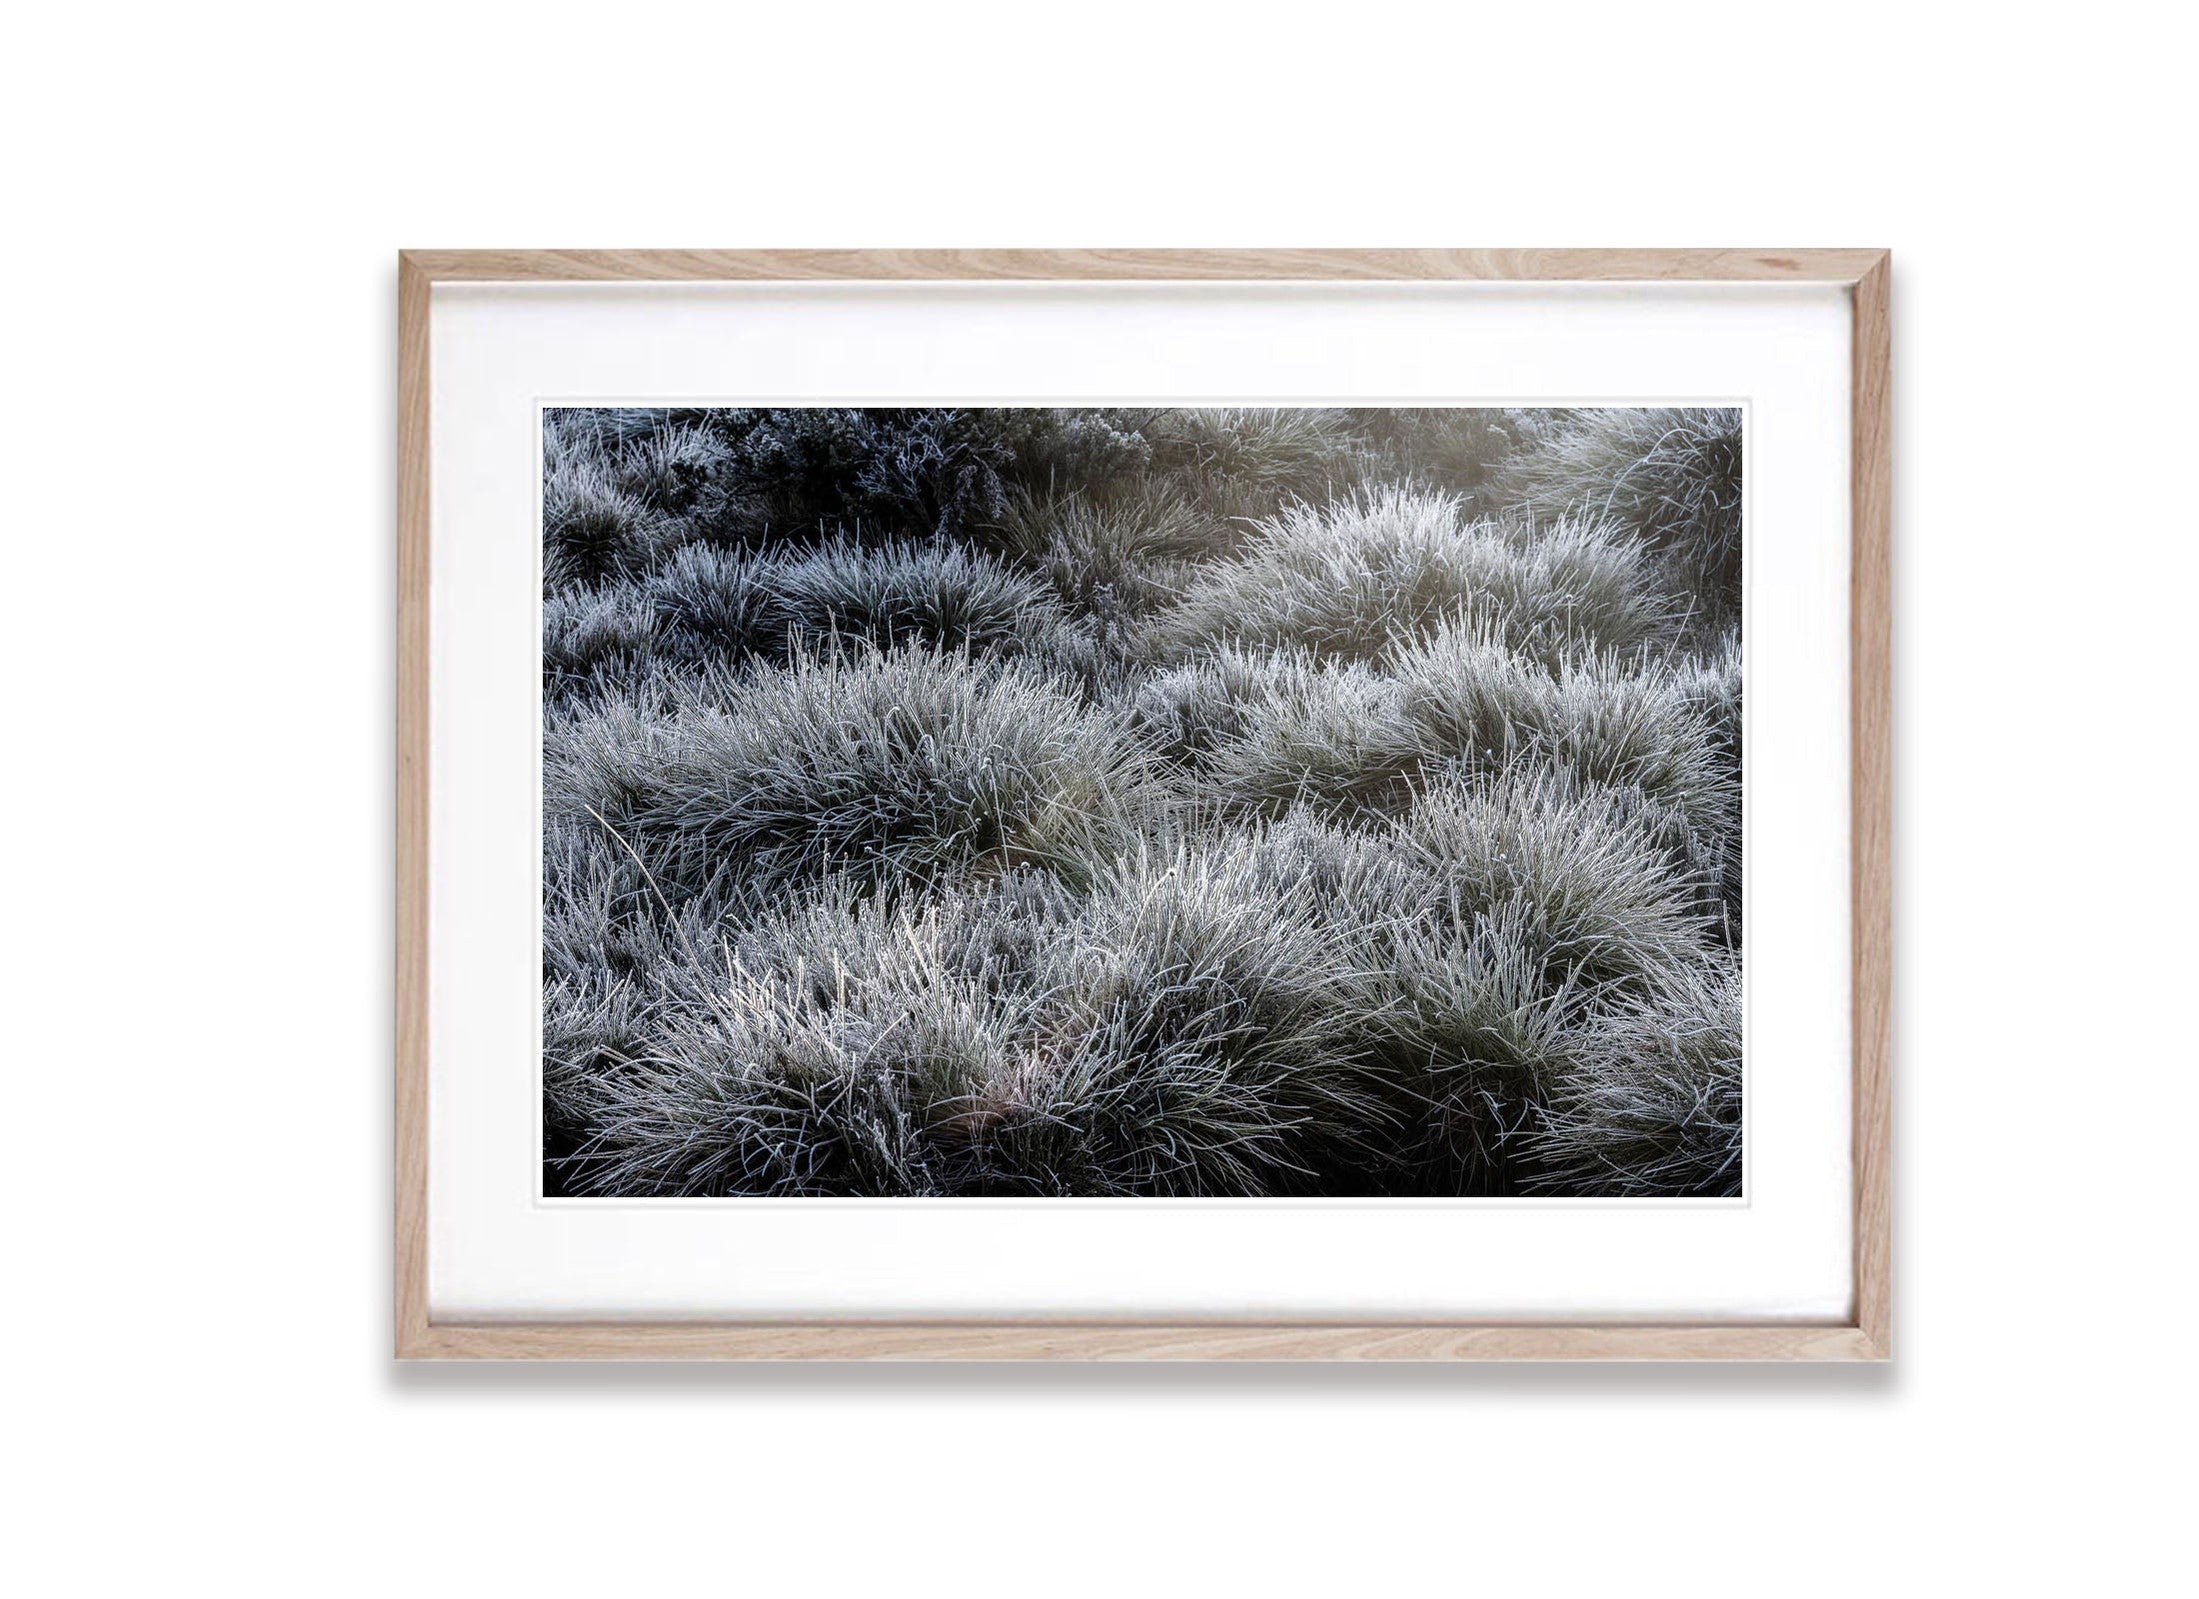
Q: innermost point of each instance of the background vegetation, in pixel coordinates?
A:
(1121, 802)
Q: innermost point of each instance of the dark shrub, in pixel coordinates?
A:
(881, 471)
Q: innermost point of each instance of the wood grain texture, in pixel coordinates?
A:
(1865, 1337)
(413, 841)
(595, 266)
(1144, 1341)
(1870, 621)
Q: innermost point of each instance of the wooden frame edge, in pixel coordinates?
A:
(1867, 1337)
(1212, 266)
(1870, 754)
(1142, 1341)
(413, 512)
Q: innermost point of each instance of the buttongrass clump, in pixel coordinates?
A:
(897, 592)
(857, 1064)
(1115, 554)
(595, 643)
(715, 605)
(1252, 460)
(1671, 476)
(1598, 718)
(1446, 446)
(1338, 738)
(1268, 732)
(593, 530)
(1490, 925)
(1188, 712)
(1199, 1039)
(1650, 1102)
(1595, 904)
(900, 767)
(1361, 577)
(598, 523)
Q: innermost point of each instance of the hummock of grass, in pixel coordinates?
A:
(1360, 577)
(1126, 802)
(1673, 477)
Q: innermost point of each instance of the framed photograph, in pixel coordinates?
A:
(1143, 804)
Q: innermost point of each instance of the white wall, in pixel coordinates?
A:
(198, 524)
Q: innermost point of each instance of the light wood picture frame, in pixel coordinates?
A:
(1863, 1335)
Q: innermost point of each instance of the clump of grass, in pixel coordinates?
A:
(1116, 554)
(1490, 926)
(1474, 1037)
(596, 527)
(1593, 903)
(1188, 712)
(904, 766)
(678, 468)
(1570, 585)
(600, 762)
(1337, 738)
(1267, 732)
(715, 604)
(719, 605)
(1709, 681)
(1360, 577)
(594, 642)
(675, 473)
(1453, 1020)
(1448, 447)
(1594, 717)
(617, 957)
(1672, 476)
(1197, 1040)
(1650, 1103)
(1250, 460)
(593, 530)
(898, 592)
(815, 1080)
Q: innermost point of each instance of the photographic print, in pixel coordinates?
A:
(1142, 802)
